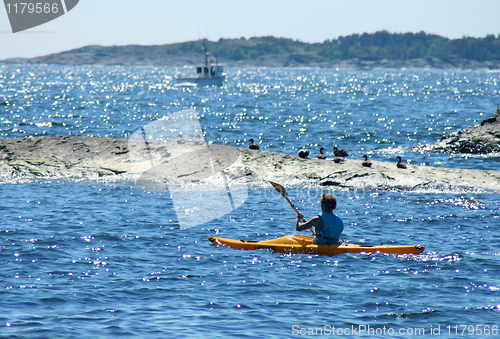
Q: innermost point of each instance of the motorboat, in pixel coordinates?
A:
(208, 74)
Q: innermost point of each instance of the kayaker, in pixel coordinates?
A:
(328, 226)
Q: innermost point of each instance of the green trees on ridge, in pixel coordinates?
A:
(374, 46)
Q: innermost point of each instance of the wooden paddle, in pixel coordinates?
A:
(283, 193)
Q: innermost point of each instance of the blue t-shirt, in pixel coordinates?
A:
(332, 228)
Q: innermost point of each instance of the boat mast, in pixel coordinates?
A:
(205, 52)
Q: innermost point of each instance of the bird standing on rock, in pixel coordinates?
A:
(253, 145)
(338, 160)
(339, 152)
(181, 139)
(366, 162)
(401, 164)
(304, 153)
(321, 155)
(198, 140)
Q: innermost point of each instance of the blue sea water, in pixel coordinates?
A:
(84, 259)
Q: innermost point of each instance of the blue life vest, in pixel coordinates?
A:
(331, 230)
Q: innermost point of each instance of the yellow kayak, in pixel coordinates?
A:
(304, 244)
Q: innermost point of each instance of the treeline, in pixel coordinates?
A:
(376, 50)
(374, 46)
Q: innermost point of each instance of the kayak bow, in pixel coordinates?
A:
(304, 244)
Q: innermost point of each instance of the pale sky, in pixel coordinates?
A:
(152, 22)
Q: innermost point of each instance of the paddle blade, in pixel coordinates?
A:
(280, 189)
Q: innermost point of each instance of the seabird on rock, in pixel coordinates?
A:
(366, 163)
(181, 139)
(253, 145)
(338, 160)
(321, 155)
(198, 140)
(339, 152)
(401, 164)
(304, 153)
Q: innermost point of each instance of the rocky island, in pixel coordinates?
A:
(176, 165)
(481, 139)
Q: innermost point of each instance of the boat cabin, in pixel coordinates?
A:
(210, 70)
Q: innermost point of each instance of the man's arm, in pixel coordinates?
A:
(314, 222)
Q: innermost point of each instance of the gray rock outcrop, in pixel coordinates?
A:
(154, 166)
(480, 139)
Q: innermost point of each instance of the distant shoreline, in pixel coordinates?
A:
(380, 50)
(417, 64)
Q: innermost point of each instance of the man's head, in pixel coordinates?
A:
(328, 202)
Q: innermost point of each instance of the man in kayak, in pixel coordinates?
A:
(328, 226)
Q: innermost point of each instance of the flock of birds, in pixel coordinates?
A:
(197, 141)
(339, 153)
